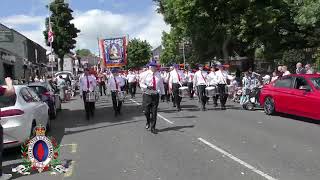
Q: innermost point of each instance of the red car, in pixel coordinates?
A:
(294, 94)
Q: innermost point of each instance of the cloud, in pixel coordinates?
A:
(97, 23)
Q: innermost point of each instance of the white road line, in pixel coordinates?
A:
(167, 120)
(237, 160)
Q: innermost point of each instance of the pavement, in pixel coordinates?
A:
(191, 145)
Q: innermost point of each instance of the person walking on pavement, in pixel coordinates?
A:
(300, 69)
(222, 79)
(200, 84)
(62, 86)
(7, 90)
(175, 82)
(132, 80)
(115, 84)
(153, 83)
(88, 85)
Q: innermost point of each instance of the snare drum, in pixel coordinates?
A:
(211, 91)
(91, 97)
(120, 96)
(229, 89)
(184, 92)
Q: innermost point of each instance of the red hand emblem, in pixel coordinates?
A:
(40, 152)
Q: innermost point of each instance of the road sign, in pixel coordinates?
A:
(6, 36)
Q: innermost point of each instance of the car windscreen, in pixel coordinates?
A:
(316, 82)
(7, 101)
(39, 89)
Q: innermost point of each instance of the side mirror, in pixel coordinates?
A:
(305, 88)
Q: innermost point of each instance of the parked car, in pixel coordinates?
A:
(293, 94)
(20, 114)
(49, 95)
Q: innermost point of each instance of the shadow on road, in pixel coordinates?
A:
(175, 128)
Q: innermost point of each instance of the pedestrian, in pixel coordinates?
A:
(279, 71)
(62, 86)
(189, 78)
(222, 79)
(175, 82)
(88, 85)
(309, 69)
(132, 80)
(300, 69)
(274, 76)
(102, 84)
(200, 84)
(115, 84)
(7, 90)
(285, 71)
(153, 83)
(213, 82)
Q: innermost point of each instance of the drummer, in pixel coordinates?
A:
(222, 79)
(115, 84)
(189, 78)
(200, 84)
(213, 82)
(176, 80)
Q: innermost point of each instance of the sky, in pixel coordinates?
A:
(95, 19)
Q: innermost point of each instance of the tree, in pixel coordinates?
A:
(64, 31)
(83, 52)
(170, 53)
(139, 53)
(292, 57)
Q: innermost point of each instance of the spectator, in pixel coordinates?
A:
(300, 69)
(7, 90)
(285, 71)
(279, 71)
(309, 69)
(274, 76)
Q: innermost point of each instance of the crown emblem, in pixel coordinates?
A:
(40, 130)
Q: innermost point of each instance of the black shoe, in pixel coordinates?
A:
(174, 105)
(179, 109)
(153, 131)
(223, 108)
(147, 126)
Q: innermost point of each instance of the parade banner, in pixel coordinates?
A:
(114, 52)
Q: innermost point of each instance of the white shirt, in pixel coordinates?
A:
(286, 73)
(189, 77)
(147, 81)
(200, 78)
(114, 81)
(174, 77)
(222, 77)
(84, 83)
(131, 78)
(212, 78)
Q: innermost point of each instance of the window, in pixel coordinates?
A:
(34, 95)
(285, 82)
(26, 95)
(316, 82)
(301, 82)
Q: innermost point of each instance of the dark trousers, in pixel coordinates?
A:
(202, 95)
(222, 94)
(115, 102)
(150, 104)
(166, 91)
(102, 88)
(1, 148)
(133, 89)
(88, 106)
(190, 89)
(175, 91)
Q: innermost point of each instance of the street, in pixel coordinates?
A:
(190, 145)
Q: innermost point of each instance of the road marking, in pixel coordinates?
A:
(70, 169)
(237, 160)
(74, 147)
(167, 120)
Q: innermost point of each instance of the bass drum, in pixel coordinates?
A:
(211, 91)
(184, 91)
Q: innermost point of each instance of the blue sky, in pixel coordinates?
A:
(95, 18)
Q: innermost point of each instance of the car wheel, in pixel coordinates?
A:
(269, 106)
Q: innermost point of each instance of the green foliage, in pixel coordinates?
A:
(83, 52)
(64, 31)
(292, 57)
(170, 53)
(139, 53)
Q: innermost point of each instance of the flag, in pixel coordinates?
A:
(114, 51)
(50, 34)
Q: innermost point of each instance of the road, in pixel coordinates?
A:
(191, 145)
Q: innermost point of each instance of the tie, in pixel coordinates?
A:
(88, 84)
(154, 85)
(115, 81)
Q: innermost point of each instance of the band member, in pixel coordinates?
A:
(132, 81)
(153, 83)
(102, 84)
(88, 84)
(165, 77)
(175, 82)
(115, 84)
(222, 79)
(213, 81)
(200, 84)
(189, 78)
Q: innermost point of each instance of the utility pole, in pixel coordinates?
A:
(184, 56)
(52, 60)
